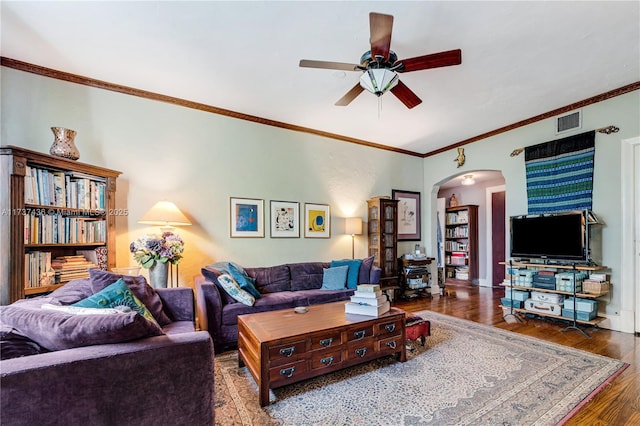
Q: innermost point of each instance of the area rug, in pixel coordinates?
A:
(466, 374)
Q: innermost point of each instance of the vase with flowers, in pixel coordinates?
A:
(156, 252)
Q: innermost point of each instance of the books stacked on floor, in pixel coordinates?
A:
(368, 300)
(71, 267)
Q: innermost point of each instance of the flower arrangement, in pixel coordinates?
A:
(149, 249)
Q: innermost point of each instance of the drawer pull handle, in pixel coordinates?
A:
(288, 372)
(392, 345)
(327, 361)
(326, 342)
(287, 351)
(390, 327)
(359, 334)
(361, 352)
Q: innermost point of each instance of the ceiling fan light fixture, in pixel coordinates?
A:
(468, 180)
(378, 80)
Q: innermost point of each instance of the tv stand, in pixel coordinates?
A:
(575, 322)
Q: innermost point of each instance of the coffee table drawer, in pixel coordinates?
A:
(326, 340)
(287, 372)
(390, 328)
(361, 349)
(286, 353)
(359, 332)
(325, 359)
(390, 344)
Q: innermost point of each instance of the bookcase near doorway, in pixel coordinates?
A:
(51, 207)
(461, 244)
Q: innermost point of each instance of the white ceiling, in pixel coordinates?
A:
(519, 59)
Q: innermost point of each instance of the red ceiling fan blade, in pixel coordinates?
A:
(380, 27)
(435, 60)
(307, 63)
(350, 95)
(405, 95)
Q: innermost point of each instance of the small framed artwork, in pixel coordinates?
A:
(408, 214)
(317, 221)
(285, 219)
(247, 217)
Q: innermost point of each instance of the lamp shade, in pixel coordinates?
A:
(353, 225)
(378, 80)
(164, 213)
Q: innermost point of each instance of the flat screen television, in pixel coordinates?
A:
(559, 237)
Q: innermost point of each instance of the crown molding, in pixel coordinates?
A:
(99, 84)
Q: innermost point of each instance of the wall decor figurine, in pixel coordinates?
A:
(460, 159)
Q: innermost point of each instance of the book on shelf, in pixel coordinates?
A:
(368, 310)
(71, 267)
(371, 301)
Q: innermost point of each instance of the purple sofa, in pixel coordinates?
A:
(281, 287)
(164, 379)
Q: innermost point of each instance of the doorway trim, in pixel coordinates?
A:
(486, 282)
(630, 250)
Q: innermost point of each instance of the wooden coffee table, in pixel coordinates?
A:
(284, 347)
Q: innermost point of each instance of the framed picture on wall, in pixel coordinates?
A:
(247, 217)
(285, 219)
(408, 214)
(317, 221)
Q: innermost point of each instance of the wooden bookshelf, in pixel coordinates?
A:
(20, 208)
(461, 244)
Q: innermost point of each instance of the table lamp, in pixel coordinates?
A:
(166, 214)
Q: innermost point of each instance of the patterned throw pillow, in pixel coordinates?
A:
(334, 278)
(244, 280)
(233, 289)
(114, 295)
(141, 289)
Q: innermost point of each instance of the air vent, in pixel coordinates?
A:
(568, 122)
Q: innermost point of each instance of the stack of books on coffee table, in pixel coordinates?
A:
(368, 300)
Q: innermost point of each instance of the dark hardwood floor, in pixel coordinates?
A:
(617, 404)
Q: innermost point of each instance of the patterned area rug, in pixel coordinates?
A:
(466, 374)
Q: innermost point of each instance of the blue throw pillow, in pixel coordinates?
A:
(245, 282)
(334, 278)
(116, 294)
(354, 270)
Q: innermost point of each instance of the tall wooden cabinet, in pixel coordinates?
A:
(461, 244)
(383, 238)
(51, 207)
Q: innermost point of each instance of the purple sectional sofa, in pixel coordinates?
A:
(281, 287)
(160, 380)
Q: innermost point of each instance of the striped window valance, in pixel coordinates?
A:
(560, 174)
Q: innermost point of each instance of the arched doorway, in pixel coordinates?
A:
(487, 192)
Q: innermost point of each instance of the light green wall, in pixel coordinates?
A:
(198, 160)
(494, 154)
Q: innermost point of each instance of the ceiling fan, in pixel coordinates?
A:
(380, 65)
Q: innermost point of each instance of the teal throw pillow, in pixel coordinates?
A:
(245, 282)
(354, 270)
(116, 295)
(233, 289)
(334, 278)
